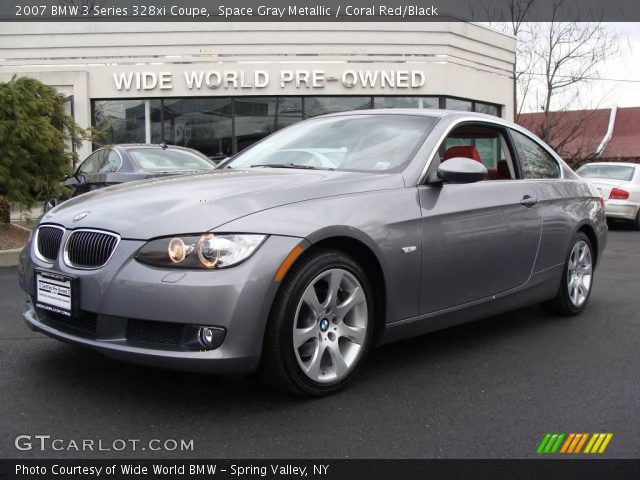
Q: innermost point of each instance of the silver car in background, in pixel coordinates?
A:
(619, 184)
(324, 239)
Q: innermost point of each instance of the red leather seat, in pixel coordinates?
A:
(466, 151)
(469, 151)
(492, 174)
(503, 170)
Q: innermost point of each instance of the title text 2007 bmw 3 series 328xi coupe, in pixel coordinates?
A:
(302, 252)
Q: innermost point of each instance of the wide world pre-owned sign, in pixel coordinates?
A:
(259, 79)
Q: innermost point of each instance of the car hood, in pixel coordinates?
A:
(202, 202)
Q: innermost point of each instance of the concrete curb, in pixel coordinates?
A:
(21, 227)
(9, 258)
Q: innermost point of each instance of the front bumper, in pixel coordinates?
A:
(621, 209)
(126, 296)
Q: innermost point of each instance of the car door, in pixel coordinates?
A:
(561, 200)
(478, 239)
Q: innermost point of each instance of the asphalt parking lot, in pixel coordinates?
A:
(489, 389)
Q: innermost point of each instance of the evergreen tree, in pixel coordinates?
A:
(35, 136)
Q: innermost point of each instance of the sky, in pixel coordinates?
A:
(620, 84)
(625, 66)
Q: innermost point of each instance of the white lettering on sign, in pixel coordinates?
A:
(243, 80)
(164, 81)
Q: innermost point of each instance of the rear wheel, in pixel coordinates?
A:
(320, 327)
(577, 279)
(635, 224)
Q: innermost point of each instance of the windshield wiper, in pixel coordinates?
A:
(284, 165)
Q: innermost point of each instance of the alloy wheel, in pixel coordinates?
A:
(330, 325)
(579, 273)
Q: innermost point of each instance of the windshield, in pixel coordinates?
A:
(166, 160)
(368, 143)
(613, 172)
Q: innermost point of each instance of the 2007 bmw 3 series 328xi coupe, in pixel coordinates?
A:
(300, 253)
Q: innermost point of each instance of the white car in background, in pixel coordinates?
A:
(619, 184)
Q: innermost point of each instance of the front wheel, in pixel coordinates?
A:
(577, 279)
(320, 327)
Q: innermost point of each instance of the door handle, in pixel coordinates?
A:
(528, 201)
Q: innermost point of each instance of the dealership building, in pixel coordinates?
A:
(219, 87)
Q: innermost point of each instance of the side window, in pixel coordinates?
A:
(536, 161)
(92, 163)
(110, 162)
(483, 143)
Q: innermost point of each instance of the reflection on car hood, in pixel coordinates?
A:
(201, 202)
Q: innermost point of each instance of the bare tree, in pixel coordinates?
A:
(556, 63)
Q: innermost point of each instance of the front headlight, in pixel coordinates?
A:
(206, 251)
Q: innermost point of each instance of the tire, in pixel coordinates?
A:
(577, 279)
(635, 224)
(326, 304)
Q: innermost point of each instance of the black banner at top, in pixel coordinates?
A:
(318, 10)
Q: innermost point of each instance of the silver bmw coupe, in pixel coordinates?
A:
(324, 239)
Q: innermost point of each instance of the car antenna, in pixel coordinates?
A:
(164, 145)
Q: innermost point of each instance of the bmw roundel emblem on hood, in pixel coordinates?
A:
(80, 216)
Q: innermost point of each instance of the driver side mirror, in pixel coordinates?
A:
(461, 170)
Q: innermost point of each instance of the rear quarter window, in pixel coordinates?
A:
(535, 161)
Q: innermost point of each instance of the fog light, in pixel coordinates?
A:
(207, 337)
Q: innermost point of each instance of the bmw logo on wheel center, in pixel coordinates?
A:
(324, 324)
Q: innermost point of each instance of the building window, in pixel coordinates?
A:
(155, 115)
(406, 102)
(204, 124)
(457, 104)
(223, 126)
(314, 106)
(487, 108)
(257, 117)
(123, 121)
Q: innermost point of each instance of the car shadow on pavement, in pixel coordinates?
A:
(98, 376)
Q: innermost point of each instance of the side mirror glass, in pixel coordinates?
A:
(461, 170)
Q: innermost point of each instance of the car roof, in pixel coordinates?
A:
(619, 164)
(125, 146)
(428, 112)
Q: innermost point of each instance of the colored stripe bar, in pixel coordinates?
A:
(550, 443)
(605, 443)
(599, 442)
(543, 443)
(573, 445)
(581, 443)
(594, 437)
(556, 446)
(565, 447)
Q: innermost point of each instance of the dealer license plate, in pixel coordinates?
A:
(54, 292)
